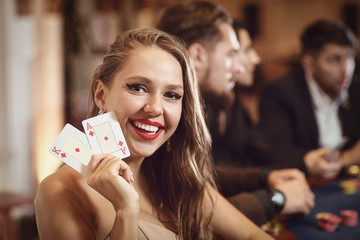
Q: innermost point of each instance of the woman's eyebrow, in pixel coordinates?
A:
(143, 79)
(139, 78)
(175, 87)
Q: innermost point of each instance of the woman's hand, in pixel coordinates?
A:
(112, 178)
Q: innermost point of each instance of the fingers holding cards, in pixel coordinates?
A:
(107, 163)
(112, 178)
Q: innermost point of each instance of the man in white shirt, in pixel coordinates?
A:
(315, 108)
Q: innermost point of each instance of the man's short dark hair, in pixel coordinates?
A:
(195, 22)
(323, 32)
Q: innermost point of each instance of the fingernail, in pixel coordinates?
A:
(132, 177)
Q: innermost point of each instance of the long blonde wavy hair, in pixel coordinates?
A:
(179, 178)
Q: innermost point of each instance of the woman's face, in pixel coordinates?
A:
(146, 96)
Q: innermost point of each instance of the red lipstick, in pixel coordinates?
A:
(146, 134)
(148, 122)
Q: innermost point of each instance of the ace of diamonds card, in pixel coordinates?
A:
(105, 135)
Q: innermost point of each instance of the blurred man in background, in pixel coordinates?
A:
(315, 109)
(212, 43)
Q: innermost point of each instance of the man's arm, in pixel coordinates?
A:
(233, 180)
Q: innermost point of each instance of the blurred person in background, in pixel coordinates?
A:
(212, 43)
(315, 108)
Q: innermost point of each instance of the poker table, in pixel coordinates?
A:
(328, 198)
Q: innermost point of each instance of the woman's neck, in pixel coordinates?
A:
(135, 163)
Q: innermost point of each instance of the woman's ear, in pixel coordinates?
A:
(199, 55)
(100, 94)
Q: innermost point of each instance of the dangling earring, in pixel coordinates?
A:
(168, 145)
(101, 112)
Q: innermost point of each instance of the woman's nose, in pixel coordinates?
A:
(154, 105)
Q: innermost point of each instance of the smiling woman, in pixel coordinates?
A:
(145, 99)
(156, 193)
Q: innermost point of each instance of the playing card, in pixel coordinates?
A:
(72, 148)
(105, 135)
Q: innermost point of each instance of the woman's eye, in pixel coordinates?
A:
(137, 87)
(172, 95)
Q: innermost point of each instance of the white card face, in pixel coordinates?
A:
(72, 148)
(105, 135)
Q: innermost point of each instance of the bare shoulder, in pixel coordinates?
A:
(58, 187)
(66, 207)
(60, 213)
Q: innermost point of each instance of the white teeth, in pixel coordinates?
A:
(145, 127)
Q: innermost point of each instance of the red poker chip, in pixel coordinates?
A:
(330, 218)
(327, 226)
(349, 218)
(349, 223)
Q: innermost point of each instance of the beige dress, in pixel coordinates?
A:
(149, 231)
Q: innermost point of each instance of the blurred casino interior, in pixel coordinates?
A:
(50, 48)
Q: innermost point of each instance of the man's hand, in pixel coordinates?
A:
(319, 166)
(292, 183)
(283, 175)
(299, 197)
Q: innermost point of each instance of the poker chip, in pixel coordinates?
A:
(328, 222)
(328, 218)
(349, 218)
(353, 170)
(327, 227)
(348, 187)
(331, 218)
(320, 215)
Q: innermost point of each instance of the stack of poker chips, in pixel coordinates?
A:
(329, 222)
(350, 186)
(349, 218)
